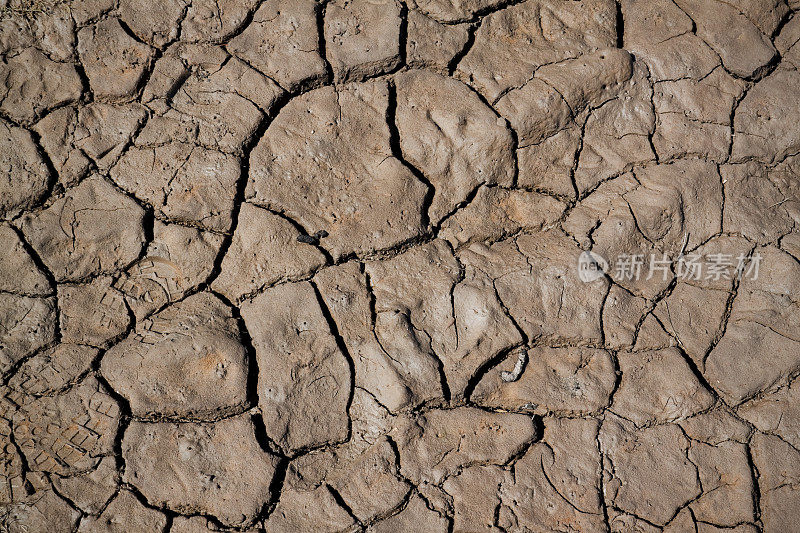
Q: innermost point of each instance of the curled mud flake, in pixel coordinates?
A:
(519, 366)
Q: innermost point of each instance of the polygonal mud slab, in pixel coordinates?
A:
(94, 229)
(304, 378)
(185, 361)
(306, 168)
(67, 433)
(217, 469)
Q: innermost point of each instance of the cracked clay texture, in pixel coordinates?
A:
(388, 266)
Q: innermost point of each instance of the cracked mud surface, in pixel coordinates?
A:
(298, 265)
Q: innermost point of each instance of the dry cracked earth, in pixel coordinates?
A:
(300, 266)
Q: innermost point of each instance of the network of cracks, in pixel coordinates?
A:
(297, 265)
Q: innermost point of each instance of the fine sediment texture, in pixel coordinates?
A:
(400, 265)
